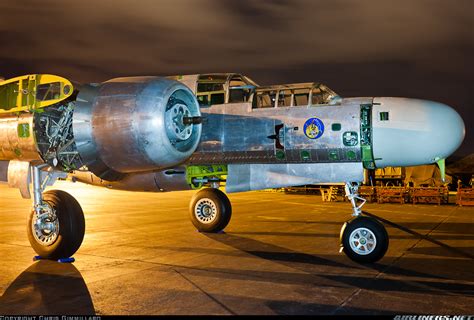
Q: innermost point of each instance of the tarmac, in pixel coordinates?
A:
(279, 255)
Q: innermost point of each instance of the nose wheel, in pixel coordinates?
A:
(364, 239)
(210, 210)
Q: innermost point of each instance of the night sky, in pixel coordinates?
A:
(411, 48)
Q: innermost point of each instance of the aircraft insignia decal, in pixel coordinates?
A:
(313, 128)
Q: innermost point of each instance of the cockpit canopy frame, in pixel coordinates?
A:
(229, 88)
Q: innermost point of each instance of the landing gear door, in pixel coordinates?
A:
(19, 177)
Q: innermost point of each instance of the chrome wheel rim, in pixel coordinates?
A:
(205, 211)
(362, 241)
(45, 226)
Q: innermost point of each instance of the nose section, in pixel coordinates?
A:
(410, 132)
(448, 127)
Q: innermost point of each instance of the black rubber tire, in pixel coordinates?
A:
(223, 206)
(71, 226)
(379, 232)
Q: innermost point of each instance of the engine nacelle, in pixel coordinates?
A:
(135, 124)
(17, 138)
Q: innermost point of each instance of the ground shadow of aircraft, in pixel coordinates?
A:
(48, 287)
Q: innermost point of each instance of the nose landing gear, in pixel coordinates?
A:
(363, 239)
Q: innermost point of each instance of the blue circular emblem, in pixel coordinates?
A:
(313, 128)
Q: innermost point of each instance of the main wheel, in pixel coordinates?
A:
(59, 230)
(364, 239)
(210, 210)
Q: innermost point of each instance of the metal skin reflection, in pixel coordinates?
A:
(207, 131)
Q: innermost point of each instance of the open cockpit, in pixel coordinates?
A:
(228, 88)
(292, 95)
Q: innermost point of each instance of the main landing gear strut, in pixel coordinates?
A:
(56, 223)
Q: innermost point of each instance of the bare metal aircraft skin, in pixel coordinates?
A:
(203, 132)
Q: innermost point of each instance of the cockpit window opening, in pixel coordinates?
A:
(285, 98)
(264, 99)
(210, 98)
(224, 88)
(318, 96)
(211, 90)
(239, 90)
(217, 98)
(323, 95)
(301, 97)
(203, 99)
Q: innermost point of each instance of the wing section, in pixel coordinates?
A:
(33, 92)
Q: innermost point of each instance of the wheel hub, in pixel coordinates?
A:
(45, 225)
(176, 126)
(205, 211)
(362, 241)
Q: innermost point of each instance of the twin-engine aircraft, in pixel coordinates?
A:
(201, 132)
